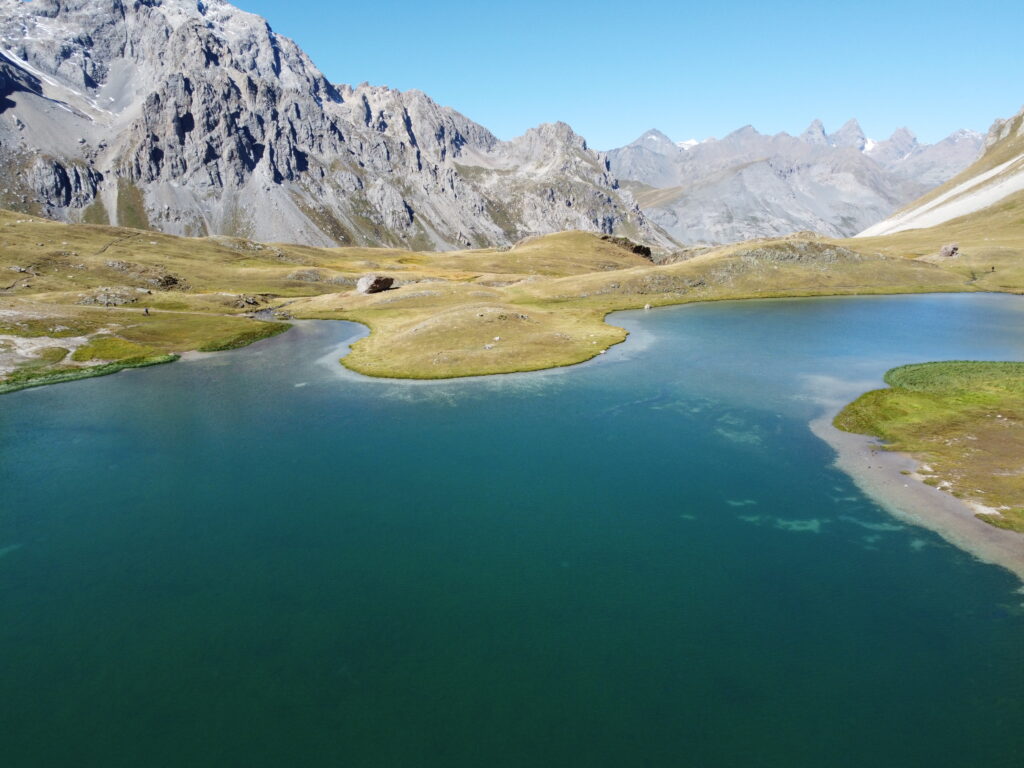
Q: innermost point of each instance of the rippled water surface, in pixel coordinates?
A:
(257, 559)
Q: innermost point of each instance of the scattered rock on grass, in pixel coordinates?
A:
(374, 283)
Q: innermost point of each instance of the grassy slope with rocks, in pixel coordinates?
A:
(537, 305)
(524, 314)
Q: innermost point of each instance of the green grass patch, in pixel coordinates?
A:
(111, 348)
(169, 306)
(245, 338)
(964, 419)
(96, 213)
(1010, 520)
(174, 332)
(48, 356)
(962, 377)
(37, 378)
(131, 206)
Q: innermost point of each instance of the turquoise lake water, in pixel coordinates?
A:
(257, 559)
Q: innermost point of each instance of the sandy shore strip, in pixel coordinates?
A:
(879, 474)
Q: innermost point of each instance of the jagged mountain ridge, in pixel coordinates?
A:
(196, 118)
(748, 185)
(996, 176)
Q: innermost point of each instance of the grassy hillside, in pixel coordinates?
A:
(964, 421)
(504, 320)
(539, 304)
(991, 244)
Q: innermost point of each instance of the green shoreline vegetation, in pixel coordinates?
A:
(25, 379)
(963, 421)
(245, 338)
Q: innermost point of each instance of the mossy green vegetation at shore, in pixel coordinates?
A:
(246, 337)
(964, 421)
(35, 377)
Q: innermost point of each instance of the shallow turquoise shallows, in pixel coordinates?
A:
(258, 559)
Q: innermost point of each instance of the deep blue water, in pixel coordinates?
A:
(256, 559)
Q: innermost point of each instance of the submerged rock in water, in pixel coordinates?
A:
(374, 283)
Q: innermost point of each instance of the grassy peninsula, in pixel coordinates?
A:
(94, 291)
(964, 421)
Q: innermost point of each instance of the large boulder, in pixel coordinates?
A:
(374, 283)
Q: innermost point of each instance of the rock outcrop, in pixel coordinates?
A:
(374, 283)
(196, 118)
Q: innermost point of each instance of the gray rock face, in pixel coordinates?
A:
(749, 185)
(850, 135)
(195, 118)
(374, 283)
(1003, 129)
(815, 134)
(14, 79)
(928, 165)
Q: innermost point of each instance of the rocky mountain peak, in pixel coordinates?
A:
(851, 136)
(745, 131)
(964, 135)
(904, 137)
(750, 185)
(656, 141)
(1003, 129)
(82, 41)
(893, 150)
(558, 134)
(208, 122)
(815, 134)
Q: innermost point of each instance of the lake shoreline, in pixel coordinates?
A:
(892, 480)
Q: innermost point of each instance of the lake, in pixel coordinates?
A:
(259, 559)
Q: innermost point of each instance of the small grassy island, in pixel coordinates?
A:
(964, 421)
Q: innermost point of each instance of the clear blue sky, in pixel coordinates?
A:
(614, 69)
